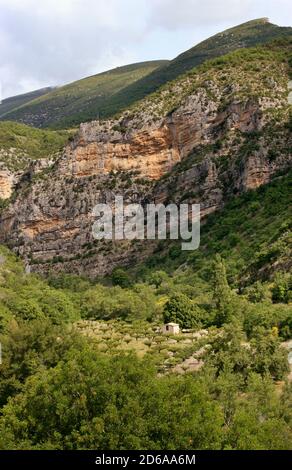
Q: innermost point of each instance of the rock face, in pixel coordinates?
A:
(202, 152)
(9, 180)
(6, 184)
(256, 173)
(149, 152)
(99, 149)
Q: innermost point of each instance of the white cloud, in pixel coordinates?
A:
(175, 14)
(54, 41)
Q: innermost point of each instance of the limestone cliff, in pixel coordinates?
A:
(204, 138)
(6, 184)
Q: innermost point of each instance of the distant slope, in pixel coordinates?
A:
(106, 94)
(79, 101)
(11, 104)
(247, 34)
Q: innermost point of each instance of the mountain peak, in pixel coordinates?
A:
(256, 21)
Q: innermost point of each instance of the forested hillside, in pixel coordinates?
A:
(81, 357)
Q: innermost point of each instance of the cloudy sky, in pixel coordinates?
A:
(51, 42)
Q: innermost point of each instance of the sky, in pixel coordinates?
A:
(52, 42)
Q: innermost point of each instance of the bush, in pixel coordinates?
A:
(157, 278)
(282, 289)
(230, 351)
(25, 309)
(121, 278)
(182, 310)
(109, 303)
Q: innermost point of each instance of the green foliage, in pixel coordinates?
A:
(258, 292)
(29, 347)
(229, 351)
(33, 143)
(268, 316)
(116, 302)
(262, 421)
(80, 101)
(266, 355)
(121, 278)
(271, 222)
(182, 310)
(58, 391)
(157, 278)
(25, 308)
(91, 401)
(222, 295)
(5, 317)
(27, 297)
(282, 289)
(70, 282)
(251, 233)
(14, 102)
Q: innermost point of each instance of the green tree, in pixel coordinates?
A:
(91, 401)
(182, 310)
(229, 352)
(258, 293)
(157, 278)
(260, 420)
(121, 278)
(5, 317)
(25, 308)
(29, 347)
(222, 295)
(282, 289)
(267, 356)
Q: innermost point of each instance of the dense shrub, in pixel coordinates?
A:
(282, 289)
(108, 303)
(182, 310)
(121, 278)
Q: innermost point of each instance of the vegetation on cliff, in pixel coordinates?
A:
(20, 143)
(256, 72)
(248, 34)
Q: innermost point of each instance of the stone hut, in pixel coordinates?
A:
(171, 329)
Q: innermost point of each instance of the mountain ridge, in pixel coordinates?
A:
(247, 34)
(11, 103)
(80, 97)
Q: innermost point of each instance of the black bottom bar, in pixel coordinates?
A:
(127, 459)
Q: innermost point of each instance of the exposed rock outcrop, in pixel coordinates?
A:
(213, 145)
(6, 184)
